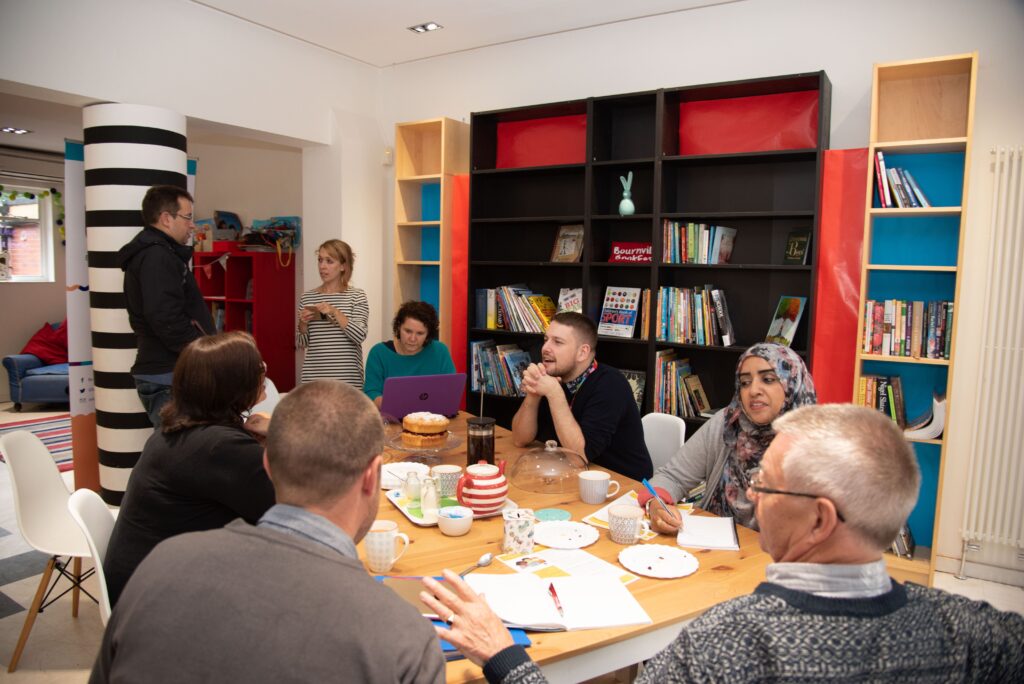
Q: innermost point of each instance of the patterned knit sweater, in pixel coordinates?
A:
(910, 634)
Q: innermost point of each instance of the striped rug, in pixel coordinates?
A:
(54, 431)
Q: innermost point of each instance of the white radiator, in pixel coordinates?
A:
(994, 510)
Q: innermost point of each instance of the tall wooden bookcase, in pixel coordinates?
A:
(255, 292)
(427, 155)
(921, 118)
(745, 154)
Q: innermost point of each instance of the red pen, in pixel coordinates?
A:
(554, 597)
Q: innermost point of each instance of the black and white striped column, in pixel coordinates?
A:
(128, 148)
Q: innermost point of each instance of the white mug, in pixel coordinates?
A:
(626, 524)
(594, 486)
(380, 545)
(447, 479)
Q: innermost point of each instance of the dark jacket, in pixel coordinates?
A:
(199, 478)
(165, 307)
(607, 415)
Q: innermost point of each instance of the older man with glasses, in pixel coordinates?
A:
(165, 307)
(828, 610)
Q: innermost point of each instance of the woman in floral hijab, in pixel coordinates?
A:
(770, 380)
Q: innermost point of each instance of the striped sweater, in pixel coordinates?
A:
(334, 352)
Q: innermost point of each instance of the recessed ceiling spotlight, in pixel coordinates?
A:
(15, 130)
(424, 28)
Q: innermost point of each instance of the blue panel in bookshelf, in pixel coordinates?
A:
(922, 518)
(430, 243)
(923, 285)
(919, 382)
(430, 285)
(915, 240)
(940, 175)
(430, 202)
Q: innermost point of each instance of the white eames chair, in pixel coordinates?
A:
(41, 504)
(664, 435)
(97, 522)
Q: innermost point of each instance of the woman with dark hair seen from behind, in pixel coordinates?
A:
(770, 380)
(333, 319)
(415, 349)
(204, 467)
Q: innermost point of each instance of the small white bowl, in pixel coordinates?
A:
(455, 521)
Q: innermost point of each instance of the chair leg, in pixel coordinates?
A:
(30, 618)
(77, 572)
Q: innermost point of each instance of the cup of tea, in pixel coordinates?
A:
(519, 527)
(447, 477)
(380, 545)
(626, 524)
(596, 486)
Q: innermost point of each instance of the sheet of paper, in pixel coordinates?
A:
(550, 563)
(599, 518)
(588, 602)
(703, 532)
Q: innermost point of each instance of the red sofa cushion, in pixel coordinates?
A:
(49, 344)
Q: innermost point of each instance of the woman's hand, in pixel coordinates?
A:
(256, 425)
(664, 522)
(475, 630)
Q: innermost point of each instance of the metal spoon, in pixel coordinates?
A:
(484, 561)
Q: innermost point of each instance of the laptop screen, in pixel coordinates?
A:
(440, 394)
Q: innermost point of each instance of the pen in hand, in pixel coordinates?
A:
(554, 597)
(647, 484)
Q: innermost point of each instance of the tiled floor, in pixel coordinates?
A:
(61, 649)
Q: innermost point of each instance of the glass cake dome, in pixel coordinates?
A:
(547, 470)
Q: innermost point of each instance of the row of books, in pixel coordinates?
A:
(697, 315)
(884, 393)
(897, 187)
(917, 329)
(677, 389)
(696, 243)
(513, 307)
(497, 368)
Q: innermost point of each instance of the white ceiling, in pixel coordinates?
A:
(370, 31)
(376, 32)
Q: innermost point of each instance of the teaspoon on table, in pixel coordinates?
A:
(484, 561)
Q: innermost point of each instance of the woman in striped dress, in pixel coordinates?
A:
(332, 319)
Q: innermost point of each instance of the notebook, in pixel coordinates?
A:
(588, 602)
(432, 393)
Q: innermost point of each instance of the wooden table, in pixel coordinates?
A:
(579, 655)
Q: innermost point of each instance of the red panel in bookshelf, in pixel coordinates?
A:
(542, 142)
(460, 271)
(840, 235)
(784, 121)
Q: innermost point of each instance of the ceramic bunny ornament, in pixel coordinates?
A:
(626, 207)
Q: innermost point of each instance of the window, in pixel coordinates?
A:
(26, 234)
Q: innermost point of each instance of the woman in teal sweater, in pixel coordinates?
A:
(415, 350)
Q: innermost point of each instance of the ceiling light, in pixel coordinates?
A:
(424, 28)
(15, 130)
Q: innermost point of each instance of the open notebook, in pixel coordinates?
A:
(523, 600)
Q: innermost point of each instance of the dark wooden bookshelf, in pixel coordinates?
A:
(734, 180)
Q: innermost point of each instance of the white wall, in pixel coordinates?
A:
(762, 38)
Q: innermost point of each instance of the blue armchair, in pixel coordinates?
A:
(33, 382)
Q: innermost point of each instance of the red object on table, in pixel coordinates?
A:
(840, 238)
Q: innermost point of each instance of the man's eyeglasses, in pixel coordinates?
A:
(187, 217)
(757, 487)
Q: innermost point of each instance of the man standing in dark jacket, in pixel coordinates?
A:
(165, 308)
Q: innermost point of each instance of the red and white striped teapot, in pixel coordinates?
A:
(483, 488)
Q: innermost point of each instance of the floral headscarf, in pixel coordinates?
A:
(746, 441)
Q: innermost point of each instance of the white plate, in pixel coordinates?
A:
(564, 534)
(658, 560)
(392, 475)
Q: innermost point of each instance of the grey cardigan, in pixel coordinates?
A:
(702, 457)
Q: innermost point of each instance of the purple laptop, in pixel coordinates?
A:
(432, 393)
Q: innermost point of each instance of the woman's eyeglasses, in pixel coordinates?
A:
(757, 487)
